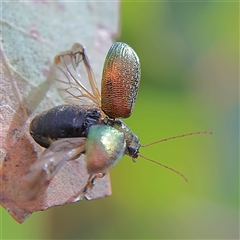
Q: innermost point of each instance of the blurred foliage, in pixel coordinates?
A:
(189, 56)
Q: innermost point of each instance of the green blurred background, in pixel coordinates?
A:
(189, 55)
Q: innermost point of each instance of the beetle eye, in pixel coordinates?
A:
(132, 151)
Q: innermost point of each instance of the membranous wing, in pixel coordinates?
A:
(74, 78)
(52, 159)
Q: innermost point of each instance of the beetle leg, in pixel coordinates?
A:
(90, 184)
(84, 192)
(91, 179)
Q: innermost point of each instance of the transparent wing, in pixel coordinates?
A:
(52, 159)
(74, 77)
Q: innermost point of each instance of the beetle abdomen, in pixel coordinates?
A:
(120, 81)
(63, 121)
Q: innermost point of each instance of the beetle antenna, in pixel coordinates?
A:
(179, 136)
(164, 166)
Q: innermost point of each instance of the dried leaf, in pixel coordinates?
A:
(32, 34)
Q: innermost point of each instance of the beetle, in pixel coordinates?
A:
(64, 129)
(90, 122)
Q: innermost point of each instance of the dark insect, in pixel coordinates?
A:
(65, 121)
(90, 124)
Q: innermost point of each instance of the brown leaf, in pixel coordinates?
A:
(33, 33)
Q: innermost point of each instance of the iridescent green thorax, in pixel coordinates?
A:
(105, 146)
